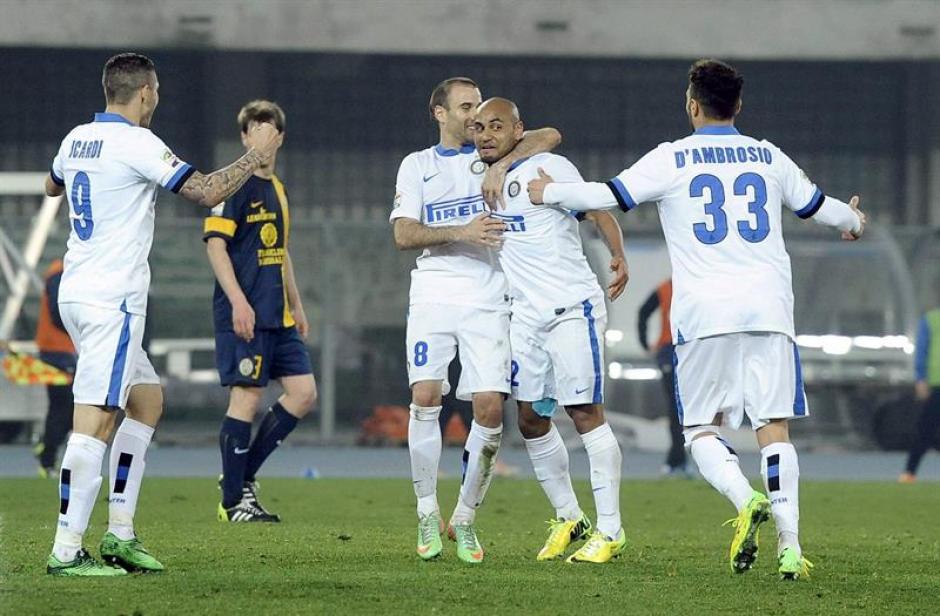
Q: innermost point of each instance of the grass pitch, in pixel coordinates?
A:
(347, 546)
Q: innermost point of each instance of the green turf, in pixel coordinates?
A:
(348, 547)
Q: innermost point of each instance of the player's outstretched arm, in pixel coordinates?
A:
(214, 188)
(533, 142)
(578, 196)
(484, 230)
(610, 230)
(846, 217)
(243, 315)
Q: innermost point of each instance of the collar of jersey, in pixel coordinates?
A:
(111, 117)
(715, 129)
(517, 163)
(467, 148)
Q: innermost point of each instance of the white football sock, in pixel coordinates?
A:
(781, 472)
(79, 481)
(550, 462)
(719, 466)
(479, 458)
(424, 445)
(604, 455)
(126, 472)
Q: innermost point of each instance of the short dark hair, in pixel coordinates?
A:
(261, 111)
(716, 86)
(442, 91)
(125, 74)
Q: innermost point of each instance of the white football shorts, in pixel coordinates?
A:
(562, 359)
(437, 332)
(752, 373)
(110, 357)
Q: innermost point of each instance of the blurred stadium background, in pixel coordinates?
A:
(847, 88)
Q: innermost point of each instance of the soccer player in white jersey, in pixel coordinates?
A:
(109, 171)
(719, 195)
(557, 339)
(458, 302)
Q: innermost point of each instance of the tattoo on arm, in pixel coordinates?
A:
(411, 234)
(210, 190)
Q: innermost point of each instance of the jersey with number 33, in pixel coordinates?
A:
(720, 196)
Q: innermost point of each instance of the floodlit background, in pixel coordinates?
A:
(847, 89)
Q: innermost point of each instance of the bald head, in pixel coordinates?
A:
(497, 128)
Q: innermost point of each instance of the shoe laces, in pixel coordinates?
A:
(428, 526)
(466, 536)
(593, 545)
(556, 528)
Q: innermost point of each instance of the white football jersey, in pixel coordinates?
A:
(110, 169)
(542, 254)
(440, 187)
(719, 196)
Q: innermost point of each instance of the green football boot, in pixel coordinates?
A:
(747, 531)
(469, 549)
(429, 535)
(792, 566)
(130, 555)
(83, 565)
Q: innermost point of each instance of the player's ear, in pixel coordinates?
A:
(737, 108)
(244, 138)
(440, 114)
(518, 129)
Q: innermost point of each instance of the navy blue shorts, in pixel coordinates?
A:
(271, 354)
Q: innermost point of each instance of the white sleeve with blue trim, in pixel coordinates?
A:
(648, 179)
(806, 200)
(409, 191)
(157, 163)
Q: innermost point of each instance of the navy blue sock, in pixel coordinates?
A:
(275, 427)
(234, 439)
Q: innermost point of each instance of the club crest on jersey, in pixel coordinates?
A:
(477, 167)
(268, 234)
(246, 366)
(514, 188)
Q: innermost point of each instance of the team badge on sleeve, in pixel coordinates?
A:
(397, 201)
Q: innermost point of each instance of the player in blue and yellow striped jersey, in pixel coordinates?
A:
(260, 325)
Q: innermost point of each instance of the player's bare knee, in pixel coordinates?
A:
(693, 433)
(586, 417)
(532, 425)
(426, 393)
(488, 409)
(776, 431)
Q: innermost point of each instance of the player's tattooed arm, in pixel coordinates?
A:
(612, 234)
(210, 190)
(533, 142)
(484, 230)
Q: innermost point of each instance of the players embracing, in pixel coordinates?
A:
(458, 303)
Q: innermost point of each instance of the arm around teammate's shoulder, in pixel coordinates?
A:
(484, 230)
(214, 188)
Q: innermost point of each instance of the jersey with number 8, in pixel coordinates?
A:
(110, 169)
(719, 195)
